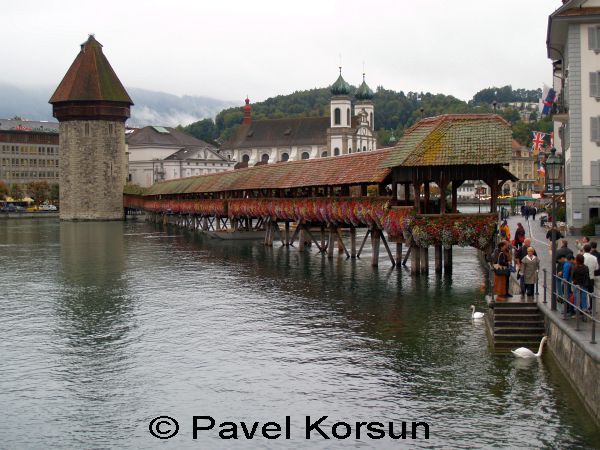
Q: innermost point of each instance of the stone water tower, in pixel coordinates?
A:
(92, 106)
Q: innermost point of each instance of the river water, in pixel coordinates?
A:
(104, 326)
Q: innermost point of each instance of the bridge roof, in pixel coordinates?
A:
(353, 169)
(454, 140)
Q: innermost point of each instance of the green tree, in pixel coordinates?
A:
(53, 192)
(3, 189)
(38, 190)
(16, 191)
(204, 129)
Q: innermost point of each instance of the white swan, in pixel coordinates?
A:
(476, 315)
(523, 352)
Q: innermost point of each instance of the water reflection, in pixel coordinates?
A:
(133, 321)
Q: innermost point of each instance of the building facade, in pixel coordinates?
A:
(348, 129)
(161, 153)
(29, 151)
(573, 44)
(91, 106)
(523, 165)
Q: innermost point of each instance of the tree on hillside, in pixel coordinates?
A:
(506, 94)
(204, 129)
(523, 131)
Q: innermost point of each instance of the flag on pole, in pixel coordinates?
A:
(548, 102)
(538, 140)
(545, 91)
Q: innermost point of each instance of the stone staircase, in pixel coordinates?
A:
(513, 325)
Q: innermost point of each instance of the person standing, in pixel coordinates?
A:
(564, 250)
(519, 256)
(501, 271)
(530, 266)
(580, 243)
(526, 212)
(533, 212)
(581, 279)
(567, 275)
(505, 231)
(519, 236)
(554, 231)
(591, 263)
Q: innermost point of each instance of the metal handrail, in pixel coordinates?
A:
(567, 286)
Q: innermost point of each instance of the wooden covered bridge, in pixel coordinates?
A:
(393, 192)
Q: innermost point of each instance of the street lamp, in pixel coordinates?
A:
(553, 166)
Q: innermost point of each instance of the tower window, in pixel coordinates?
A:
(245, 158)
(348, 116)
(305, 155)
(285, 157)
(265, 158)
(364, 148)
(111, 129)
(323, 154)
(371, 119)
(336, 151)
(337, 120)
(86, 129)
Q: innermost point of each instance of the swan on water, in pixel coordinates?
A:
(523, 352)
(476, 315)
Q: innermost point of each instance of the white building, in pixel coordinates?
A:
(161, 153)
(349, 129)
(573, 44)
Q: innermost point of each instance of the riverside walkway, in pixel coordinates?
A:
(570, 340)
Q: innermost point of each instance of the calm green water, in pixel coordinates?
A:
(104, 326)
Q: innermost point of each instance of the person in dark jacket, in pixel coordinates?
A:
(554, 231)
(564, 250)
(581, 278)
(519, 236)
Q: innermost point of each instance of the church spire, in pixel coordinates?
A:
(247, 112)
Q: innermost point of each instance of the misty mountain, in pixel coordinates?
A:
(151, 107)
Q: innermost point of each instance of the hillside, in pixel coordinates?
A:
(394, 111)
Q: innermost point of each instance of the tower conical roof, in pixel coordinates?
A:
(340, 87)
(90, 78)
(364, 92)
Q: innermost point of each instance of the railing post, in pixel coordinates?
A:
(593, 341)
(545, 287)
(578, 306)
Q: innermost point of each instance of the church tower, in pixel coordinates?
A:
(364, 101)
(364, 109)
(338, 134)
(92, 106)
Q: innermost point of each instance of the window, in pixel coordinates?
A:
(595, 84)
(594, 38)
(364, 148)
(324, 155)
(245, 158)
(285, 157)
(265, 158)
(305, 155)
(371, 120)
(595, 129)
(336, 151)
(348, 116)
(595, 175)
(86, 129)
(111, 129)
(337, 120)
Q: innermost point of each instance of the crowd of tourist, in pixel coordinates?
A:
(579, 268)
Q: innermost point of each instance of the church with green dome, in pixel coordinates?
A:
(348, 129)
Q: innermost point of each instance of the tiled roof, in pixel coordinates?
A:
(357, 168)
(174, 137)
(90, 78)
(454, 139)
(280, 133)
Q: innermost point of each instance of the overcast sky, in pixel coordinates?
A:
(227, 49)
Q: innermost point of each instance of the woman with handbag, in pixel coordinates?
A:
(530, 267)
(501, 271)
